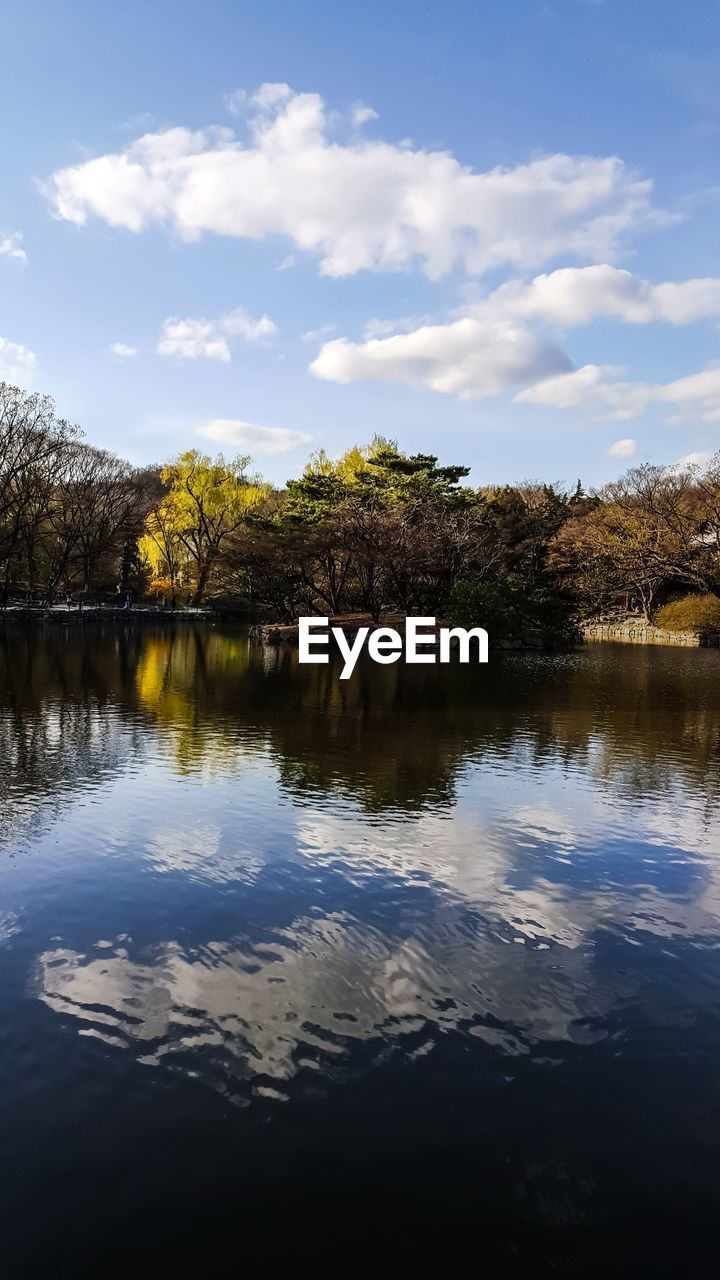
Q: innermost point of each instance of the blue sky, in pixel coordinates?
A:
(488, 230)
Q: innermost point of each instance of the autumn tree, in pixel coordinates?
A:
(206, 502)
(643, 535)
(706, 497)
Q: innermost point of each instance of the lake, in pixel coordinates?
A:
(423, 964)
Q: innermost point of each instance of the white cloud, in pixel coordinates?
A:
(361, 114)
(269, 96)
(469, 358)
(230, 431)
(238, 324)
(192, 339)
(576, 295)
(140, 123)
(379, 328)
(698, 459)
(235, 101)
(696, 396)
(17, 363)
(11, 247)
(121, 349)
(494, 343)
(622, 449)
(317, 335)
(569, 390)
(356, 205)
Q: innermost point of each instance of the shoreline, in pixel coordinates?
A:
(104, 613)
(637, 631)
(276, 633)
(627, 631)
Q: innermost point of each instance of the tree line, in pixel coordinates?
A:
(376, 530)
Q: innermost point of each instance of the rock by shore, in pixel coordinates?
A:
(635, 630)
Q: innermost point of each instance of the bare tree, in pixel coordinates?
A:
(32, 442)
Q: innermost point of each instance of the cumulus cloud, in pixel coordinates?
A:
(594, 389)
(698, 459)
(571, 390)
(696, 396)
(193, 339)
(238, 324)
(17, 363)
(469, 358)
(622, 449)
(11, 247)
(121, 349)
(271, 96)
(574, 296)
(231, 432)
(361, 114)
(496, 343)
(357, 204)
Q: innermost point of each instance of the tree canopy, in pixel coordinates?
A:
(376, 529)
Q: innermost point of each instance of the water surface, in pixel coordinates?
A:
(424, 962)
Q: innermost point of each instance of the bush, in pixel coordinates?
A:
(479, 604)
(510, 609)
(690, 613)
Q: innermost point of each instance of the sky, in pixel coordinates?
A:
(486, 230)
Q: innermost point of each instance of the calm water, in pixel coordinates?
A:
(425, 963)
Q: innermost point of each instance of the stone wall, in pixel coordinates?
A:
(640, 632)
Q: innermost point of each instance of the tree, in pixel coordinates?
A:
(102, 499)
(33, 440)
(206, 502)
(376, 527)
(643, 535)
(706, 485)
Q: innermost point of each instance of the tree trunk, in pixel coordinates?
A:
(203, 575)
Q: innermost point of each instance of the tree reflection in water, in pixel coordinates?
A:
(496, 889)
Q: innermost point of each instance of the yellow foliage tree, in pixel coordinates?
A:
(207, 500)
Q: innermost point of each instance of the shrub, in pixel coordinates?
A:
(690, 613)
(479, 604)
(510, 609)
